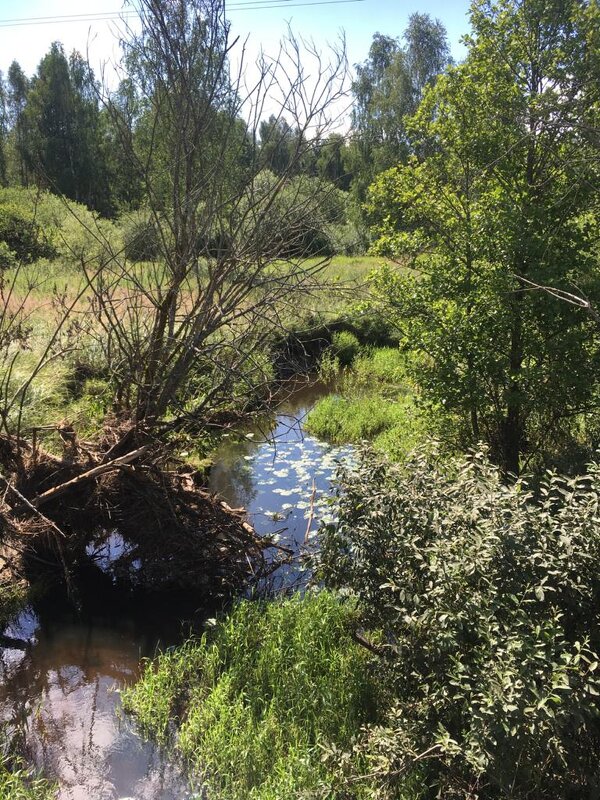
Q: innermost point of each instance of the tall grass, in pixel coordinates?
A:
(253, 702)
(18, 781)
(349, 269)
(376, 402)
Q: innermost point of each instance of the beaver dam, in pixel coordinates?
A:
(59, 512)
(59, 683)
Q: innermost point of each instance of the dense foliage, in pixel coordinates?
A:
(59, 131)
(158, 242)
(498, 198)
(488, 598)
(22, 237)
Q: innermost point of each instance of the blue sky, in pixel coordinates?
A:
(360, 20)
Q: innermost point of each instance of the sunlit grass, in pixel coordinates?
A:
(349, 269)
(18, 782)
(375, 402)
(253, 702)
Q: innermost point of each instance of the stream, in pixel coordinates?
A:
(60, 696)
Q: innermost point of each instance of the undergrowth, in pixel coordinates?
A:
(255, 701)
(19, 782)
(375, 402)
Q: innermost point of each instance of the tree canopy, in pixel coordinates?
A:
(500, 190)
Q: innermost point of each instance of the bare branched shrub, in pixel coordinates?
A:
(182, 331)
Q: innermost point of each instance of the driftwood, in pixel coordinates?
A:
(95, 472)
(238, 512)
(52, 526)
(29, 505)
(121, 444)
(176, 535)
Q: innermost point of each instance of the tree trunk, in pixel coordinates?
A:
(512, 433)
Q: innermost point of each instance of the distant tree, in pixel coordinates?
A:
(427, 53)
(126, 189)
(50, 124)
(277, 143)
(3, 129)
(372, 152)
(89, 152)
(333, 161)
(388, 87)
(63, 144)
(17, 89)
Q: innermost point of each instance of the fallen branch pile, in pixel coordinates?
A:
(158, 527)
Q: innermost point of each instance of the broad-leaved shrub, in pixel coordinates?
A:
(488, 598)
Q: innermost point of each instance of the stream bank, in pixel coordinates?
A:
(61, 694)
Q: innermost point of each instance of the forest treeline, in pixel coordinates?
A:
(477, 181)
(57, 131)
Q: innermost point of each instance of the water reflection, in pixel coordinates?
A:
(283, 479)
(61, 692)
(61, 697)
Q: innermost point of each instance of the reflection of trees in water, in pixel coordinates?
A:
(237, 484)
(58, 703)
(232, 476)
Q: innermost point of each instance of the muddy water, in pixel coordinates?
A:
(61, 695)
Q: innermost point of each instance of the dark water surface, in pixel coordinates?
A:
(61, 698)
(61, 694)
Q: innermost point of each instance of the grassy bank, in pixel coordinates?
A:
(375, 401)
(19, 782)
(487, 675)
(255, 702)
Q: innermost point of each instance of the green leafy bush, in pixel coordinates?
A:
(43, 225)
(8, 258)
(488, 597)
(302, 215)
(22, 235)
(373, 329)
(345, 347)
(255, 701)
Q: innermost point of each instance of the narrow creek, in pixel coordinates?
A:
(61, 696)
